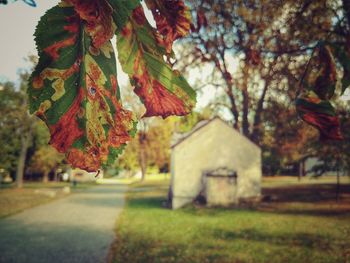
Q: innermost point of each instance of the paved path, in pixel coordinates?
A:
(78, 228)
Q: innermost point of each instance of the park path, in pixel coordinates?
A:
(78, 228)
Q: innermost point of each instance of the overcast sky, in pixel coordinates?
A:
(17, 25)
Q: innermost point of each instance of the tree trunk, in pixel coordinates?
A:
(301, 170)
(143, 166)
(245, 102)
(338, 179)
(233, 107)
(245, 112)
(46, 177)
(56, 175)
(346, 5)
(142, 155)
(21, 160)
(256, 133)
(338, 186)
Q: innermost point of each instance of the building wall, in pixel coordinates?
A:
(214, 146)
(84, 176)
(314, 161)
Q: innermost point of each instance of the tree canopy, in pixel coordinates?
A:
(266, 56)
(290, 50)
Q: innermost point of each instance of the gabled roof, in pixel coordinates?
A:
(199, 126)
(180, 137)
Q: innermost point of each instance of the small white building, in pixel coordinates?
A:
(202, 158)
(79, 175)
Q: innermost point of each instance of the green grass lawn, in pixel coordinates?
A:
(303, 223)
(13, 200)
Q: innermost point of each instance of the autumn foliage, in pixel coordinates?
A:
(74, 88)
(313, 104)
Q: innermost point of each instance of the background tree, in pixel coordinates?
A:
(9, 103)
(258, 49)
(44, 158)
(155, 145)
(264, 54)
(286, 139)
(188, 122)
(151, 148)
(135, 155)
(16, 126)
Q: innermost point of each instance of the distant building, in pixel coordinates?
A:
(84, 176)
(214, 160)
(316, 167)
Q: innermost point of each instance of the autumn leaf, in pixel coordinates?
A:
(74, 89)
(97, 16)
(313, 105)
(122, 10)
(325, 83)
(320, 114)
(173, 20)
(163, 90)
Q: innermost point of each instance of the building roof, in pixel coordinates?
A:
(180, 137)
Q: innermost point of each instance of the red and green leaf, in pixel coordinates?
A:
(173, 20)
(122, 10)
(74, 88)
(163, 90)
(325, 83)
(97, 16)
(314, 106)
(320, 114)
